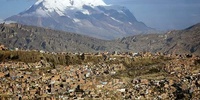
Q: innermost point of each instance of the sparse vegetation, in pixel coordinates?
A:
(141, 66)
(56, 59)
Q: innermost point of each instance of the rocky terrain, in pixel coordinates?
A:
(36, 38)
(183, 41)
(50, 76)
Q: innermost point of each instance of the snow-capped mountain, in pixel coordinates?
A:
(89, 17)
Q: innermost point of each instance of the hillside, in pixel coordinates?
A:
(180, 42)
(30, 37)
(36, 38)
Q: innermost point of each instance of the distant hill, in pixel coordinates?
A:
(30, 37)
(179, 42)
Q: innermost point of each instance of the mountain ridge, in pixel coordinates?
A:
(173, 42)
(37, 38)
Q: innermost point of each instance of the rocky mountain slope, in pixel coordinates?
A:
(30, 37)
(89, 17)
(179, 42)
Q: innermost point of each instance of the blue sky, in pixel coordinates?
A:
(159, 14)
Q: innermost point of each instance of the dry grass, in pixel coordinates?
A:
(147, 67)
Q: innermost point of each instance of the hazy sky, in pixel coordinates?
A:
(159, 14)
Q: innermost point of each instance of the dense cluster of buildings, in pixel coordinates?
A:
(44, 81)
(182, 81)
